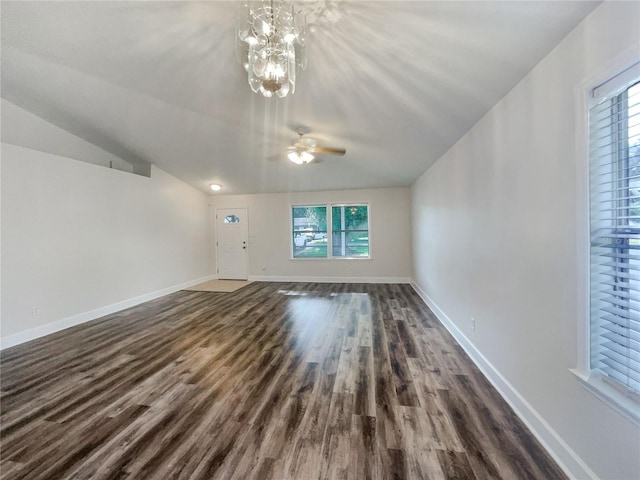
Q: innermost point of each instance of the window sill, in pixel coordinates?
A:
(315, 259)
(625, 404)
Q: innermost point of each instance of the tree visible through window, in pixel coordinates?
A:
(310, 231)
(350, 230)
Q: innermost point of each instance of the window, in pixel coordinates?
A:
(231, 219)
(350, 230)
(614, 131)
(347, 237)
(310, 231)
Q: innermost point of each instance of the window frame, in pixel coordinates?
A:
(346, 231)
(329, 209)
(587, 94)
(292, 232)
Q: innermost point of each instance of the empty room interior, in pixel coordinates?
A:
(320, 240)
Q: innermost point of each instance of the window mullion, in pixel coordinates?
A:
(329, 231)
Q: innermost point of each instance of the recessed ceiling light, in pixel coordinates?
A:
(215, 187)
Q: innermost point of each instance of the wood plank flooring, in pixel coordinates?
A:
(274, 381)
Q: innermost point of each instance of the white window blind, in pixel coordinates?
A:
(614, 130)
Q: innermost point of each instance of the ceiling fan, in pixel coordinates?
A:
(303, 150)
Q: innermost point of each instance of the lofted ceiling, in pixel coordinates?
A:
(396, 83)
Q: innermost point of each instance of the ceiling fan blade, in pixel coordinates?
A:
(276, 158)
(332, 151)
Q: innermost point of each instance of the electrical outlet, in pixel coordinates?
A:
(473, 324)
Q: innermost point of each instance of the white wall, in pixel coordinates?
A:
(20, 127)
(78, 238)
(494, 237)
(270, 243)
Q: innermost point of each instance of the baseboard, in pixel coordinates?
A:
(561, 452)
(49, 328)
(259, 278)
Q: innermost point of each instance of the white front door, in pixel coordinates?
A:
(231, 227)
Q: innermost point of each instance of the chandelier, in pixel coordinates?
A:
(270, 42)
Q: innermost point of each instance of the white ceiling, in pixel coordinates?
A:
(396, 83)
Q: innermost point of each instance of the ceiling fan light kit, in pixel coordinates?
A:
(303, 150)
(270, 42)
(300, 157)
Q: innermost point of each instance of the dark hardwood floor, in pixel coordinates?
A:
(276, 380)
